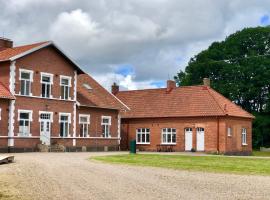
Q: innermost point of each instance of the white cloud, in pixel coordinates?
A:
(156, 37)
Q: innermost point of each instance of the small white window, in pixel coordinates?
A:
(46, 85)
(0, 113)
(143, 136)
(244, 136)
(65, 83)
(24, 118)
(84, 121)
(26, 77)
(168, 136)
(64, 120)
(106, 124)
(229, 131)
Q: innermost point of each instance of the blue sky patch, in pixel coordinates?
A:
(158, 84)
(125, 69)
(265, 20)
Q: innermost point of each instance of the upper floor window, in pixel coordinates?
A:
(64, 120)
(26, 77)
(168, 136)
(84, 121)
(106, 124)
(143, 136)
(24, 118)
(65, 83)
(244, 136)
(46, 85)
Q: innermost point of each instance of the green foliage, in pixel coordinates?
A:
(239, 68)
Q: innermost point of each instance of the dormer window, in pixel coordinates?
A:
(46, 85)
(65, 83)
(26, 77)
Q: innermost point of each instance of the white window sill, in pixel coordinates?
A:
(143, 143)
(168, 144)
(244, 144)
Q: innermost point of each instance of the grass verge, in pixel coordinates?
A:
(261, 153)
(220, 164)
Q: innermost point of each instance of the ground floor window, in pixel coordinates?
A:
(106, 124)
(24, 118)
(229, 131)
(244, 136)
(84, 121)
(168, 136)
(143, 136)
(64, 121)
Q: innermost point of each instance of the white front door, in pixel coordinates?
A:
(45, 128)
(188, 139)
(200, 139)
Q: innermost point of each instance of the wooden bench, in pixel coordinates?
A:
(6, 159)
(165, 148)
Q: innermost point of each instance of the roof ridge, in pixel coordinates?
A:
(215, 100)
(36, 43)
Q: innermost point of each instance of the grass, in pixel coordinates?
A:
(261, 153)
(219, 164)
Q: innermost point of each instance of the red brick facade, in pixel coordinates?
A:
(49, 60)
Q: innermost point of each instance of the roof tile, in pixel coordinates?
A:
(5, 93)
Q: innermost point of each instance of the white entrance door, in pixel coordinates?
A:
(45, 128)
(188, 139)
(200, 139)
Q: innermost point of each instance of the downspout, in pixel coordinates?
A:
(217, 134)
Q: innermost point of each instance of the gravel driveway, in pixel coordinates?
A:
(72, 176)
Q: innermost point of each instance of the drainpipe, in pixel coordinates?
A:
(217, 134)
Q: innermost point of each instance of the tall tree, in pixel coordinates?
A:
(239, 68)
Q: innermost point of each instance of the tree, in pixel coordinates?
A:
(239, 68)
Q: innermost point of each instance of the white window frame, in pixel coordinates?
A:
(107, 126)
(30, 112)
(30, 80)
(87, 123)
(69, 123)
(166, 133)
(69, 86)
(229, 131)
(140, 132)
(244, 136)
(46, 112)
(43, 74)
(0, 113)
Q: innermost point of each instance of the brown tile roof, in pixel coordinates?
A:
(5, 93)
(186, 101)
(91, 94)
(8, 53)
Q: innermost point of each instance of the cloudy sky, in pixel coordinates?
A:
(136, 43)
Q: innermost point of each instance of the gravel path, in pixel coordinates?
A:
(69, 176)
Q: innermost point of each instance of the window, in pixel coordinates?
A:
(24, 118)
(0, 113)
(106, 124)
(168, 136)
(229, 131)
(64, 120)
(26, 77)
(84, 121)
(143, 136)
(65, 83)
(244, 136)
(46, 85)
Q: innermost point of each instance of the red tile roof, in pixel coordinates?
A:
(5, 93)
(92, 94)
(8, 53)
(185, 101)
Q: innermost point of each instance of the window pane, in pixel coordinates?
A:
(24, 116)
(147, 137)
(25, 75)
(139, 138)
(64, 118)
(46, 79)
(143, 137)
(83, 119)
(64, 81)
(23, 87)
(62, 92)
(27, 89)
(174, 138)
(66, 92)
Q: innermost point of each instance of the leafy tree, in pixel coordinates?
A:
(239, 68)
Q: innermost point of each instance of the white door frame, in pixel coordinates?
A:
(200, 139)
(188, 139)
(46, 122)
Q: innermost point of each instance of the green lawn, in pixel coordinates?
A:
(221, 164)
(261, 153)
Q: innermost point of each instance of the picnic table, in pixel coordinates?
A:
(165, 148)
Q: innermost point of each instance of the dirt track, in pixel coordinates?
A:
(73, 176)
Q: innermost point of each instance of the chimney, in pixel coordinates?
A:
(206, 82)
(115, 88)
(5, 43)
(170, 85)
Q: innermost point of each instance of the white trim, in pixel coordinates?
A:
(46, 112)
(31, 72)
(141, 133)
(74, 107)
(26, 111)
(0, 113)
(12, 75)
(244, 132)
(101, 138)
(119, 127)
(229, 131)
(106, 117)
(48, 75)
(11, 122)
(84, 115)
(166, 133)
(39, 97)
(65, 114)
(65, 77)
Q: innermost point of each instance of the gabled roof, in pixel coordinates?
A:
(91, 94)
(5, 93)
(185, 101)
(11, 54)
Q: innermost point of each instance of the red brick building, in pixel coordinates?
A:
(46, 98)
(183, 119)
